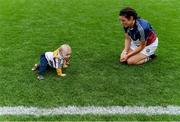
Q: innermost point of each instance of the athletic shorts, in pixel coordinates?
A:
(148, 50)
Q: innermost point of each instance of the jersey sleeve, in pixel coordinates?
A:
(58, 62)
(59, 71)
(142, 34)
(143, 29)
(58, 65)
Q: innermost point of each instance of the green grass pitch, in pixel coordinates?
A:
(95, 77)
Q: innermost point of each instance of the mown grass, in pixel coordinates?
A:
(95, 77)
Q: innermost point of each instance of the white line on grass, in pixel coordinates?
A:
(75, 110)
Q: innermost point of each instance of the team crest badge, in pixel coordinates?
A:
(147, 50)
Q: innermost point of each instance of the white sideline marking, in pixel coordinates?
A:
(95, 110)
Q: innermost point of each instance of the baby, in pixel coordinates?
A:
(58, 59)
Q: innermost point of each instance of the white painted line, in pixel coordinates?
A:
(95, 110)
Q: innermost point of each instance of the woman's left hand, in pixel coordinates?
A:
(125, 57)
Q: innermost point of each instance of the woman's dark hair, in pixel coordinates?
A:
(128, 12)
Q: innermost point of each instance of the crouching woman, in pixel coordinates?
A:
(140, 38)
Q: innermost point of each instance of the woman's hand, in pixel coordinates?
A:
(123, 56)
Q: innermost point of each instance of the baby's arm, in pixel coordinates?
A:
(66, 63)
(59, 72)
(59, 68)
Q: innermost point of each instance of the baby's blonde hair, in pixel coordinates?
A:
(65, 47)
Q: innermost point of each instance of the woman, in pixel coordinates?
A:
(140, 38)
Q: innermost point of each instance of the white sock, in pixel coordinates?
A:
(147, 59)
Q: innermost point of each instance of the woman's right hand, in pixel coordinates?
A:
(123, 56)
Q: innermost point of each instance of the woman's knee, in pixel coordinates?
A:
(131, 61)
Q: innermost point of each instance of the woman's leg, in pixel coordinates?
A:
(145, 55)
(137, 59)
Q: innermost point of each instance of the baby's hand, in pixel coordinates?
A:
(63, 75)
(65, 66)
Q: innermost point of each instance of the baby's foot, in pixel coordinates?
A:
(40, 77)
(35, 67)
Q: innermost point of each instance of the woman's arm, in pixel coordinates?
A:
(138, 49)
(126, 48)
(127, 43)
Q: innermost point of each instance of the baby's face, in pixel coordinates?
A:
(66, 54)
